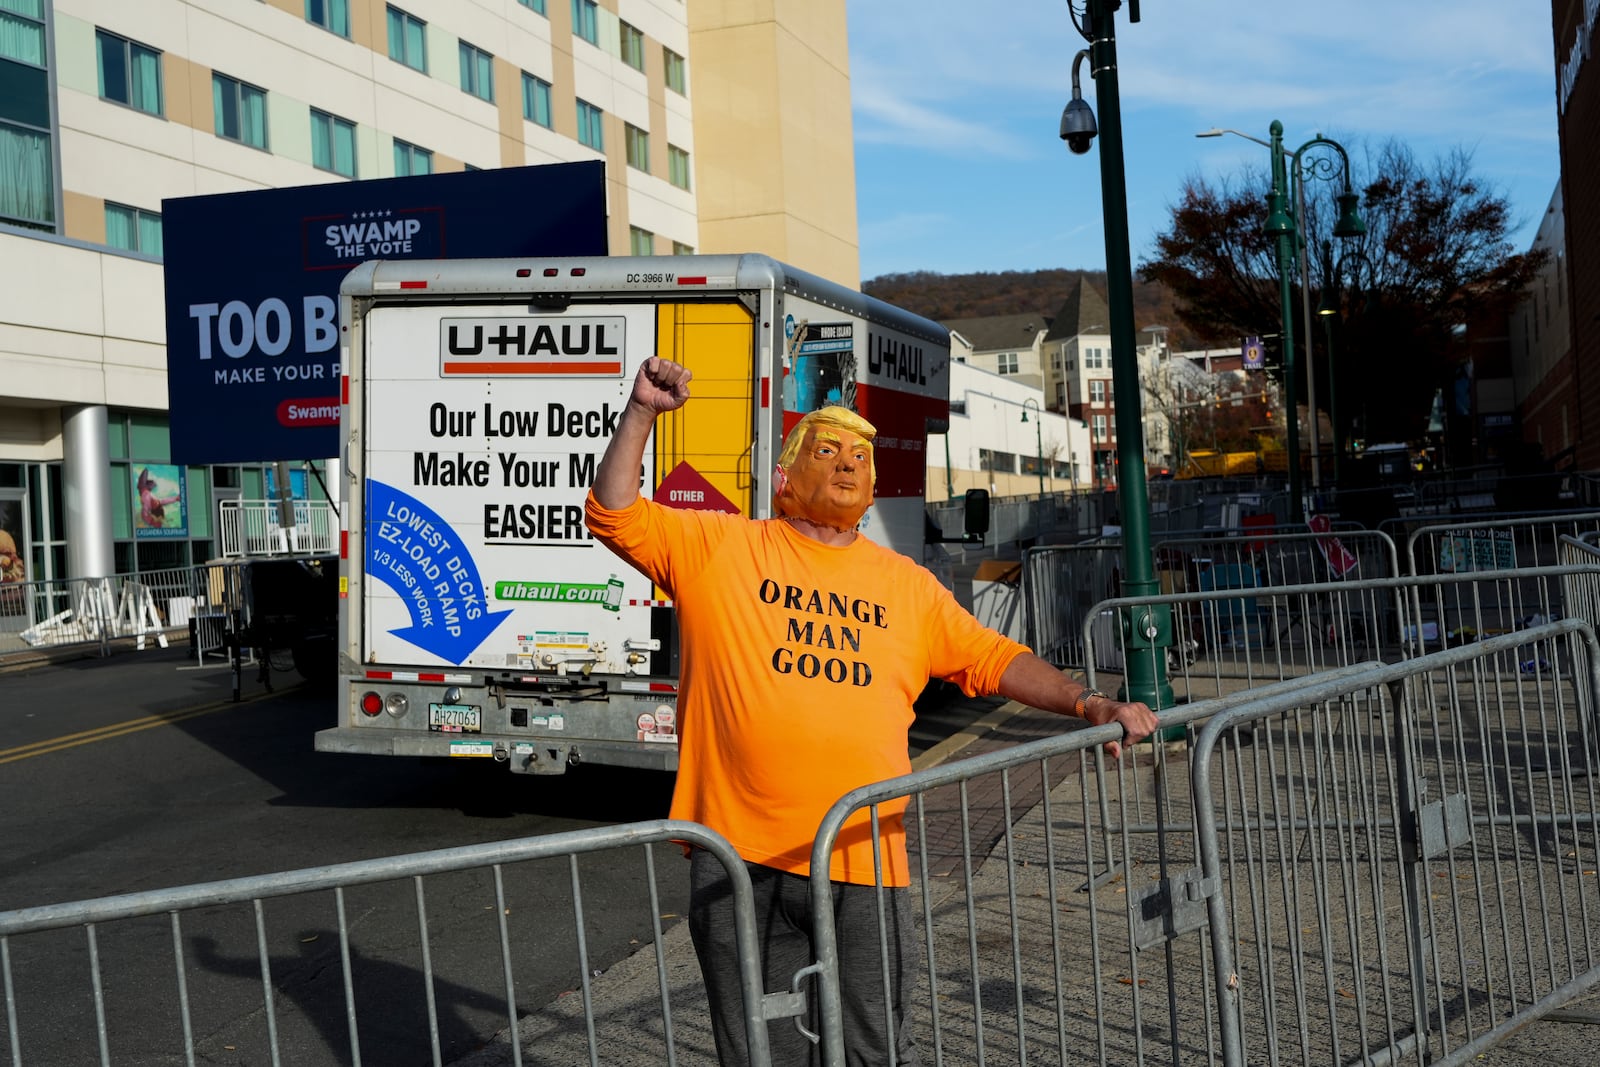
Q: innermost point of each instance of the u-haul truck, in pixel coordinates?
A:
(478, 617)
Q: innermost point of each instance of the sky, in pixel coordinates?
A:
(957, 107)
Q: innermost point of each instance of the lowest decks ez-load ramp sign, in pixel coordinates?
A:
(252, 284)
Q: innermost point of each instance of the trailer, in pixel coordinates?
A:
(477, 616)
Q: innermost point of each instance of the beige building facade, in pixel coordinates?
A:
(723, 126)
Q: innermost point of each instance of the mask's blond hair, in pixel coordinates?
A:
(835, 417)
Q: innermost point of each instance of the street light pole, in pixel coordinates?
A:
(1281, 227)
(1146, 630)
(1038, 437)
(1289, 232)
(1302, 239)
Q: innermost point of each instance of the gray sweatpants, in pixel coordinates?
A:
(783, 924)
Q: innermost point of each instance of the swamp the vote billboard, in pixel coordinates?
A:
(252, 288)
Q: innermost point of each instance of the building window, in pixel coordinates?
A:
(1092, 359)
(1097, 391)
(534, 5)
(133, 230)
(408, 40)
(130, 73)
(27, 196)
(240, 110)
(477, 72)
(22, 31)
(586, 20)
(333, 143)
(994, 460)
(641, 242)
(633, 46)
(409, 159)
(331, 15)
(1097, 426)
(535, 99)
(677, 74)
(678, 166)
(681, 249)
(591, 129)
(1072, 364)
(1007, 362)
(638, 147)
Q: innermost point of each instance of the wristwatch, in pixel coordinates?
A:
(1081, 705)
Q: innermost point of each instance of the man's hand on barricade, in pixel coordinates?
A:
(1137, 720)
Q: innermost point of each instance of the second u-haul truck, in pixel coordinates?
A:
(478, 616)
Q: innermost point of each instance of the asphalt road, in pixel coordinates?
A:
(138, 772)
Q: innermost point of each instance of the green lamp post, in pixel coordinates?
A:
(1038, 438)
(1146, 630)
(1289, 233)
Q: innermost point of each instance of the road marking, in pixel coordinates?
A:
(118, 729)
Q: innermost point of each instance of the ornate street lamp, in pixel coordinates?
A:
(1038, 438)
(1289, 232)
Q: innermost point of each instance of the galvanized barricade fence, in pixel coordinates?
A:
(1377, 864)
(96, 611)
(1059, 585)
(1227, 639)
(1581, 592)
(1503, 543)
(1030, 951)
(196, 926)
(1244, 618)
(1401, 865)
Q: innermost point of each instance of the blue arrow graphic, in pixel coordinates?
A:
(416, 553)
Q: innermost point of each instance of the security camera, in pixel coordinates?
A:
(1078, 127)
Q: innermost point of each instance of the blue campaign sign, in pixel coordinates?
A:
(413, 551)
(252, 287)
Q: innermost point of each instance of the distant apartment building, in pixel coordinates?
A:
(1007, 345)
(1539, 333)
(724, 126)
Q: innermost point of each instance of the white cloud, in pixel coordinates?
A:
(883, 117)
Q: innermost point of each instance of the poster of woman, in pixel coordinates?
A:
(158, 505)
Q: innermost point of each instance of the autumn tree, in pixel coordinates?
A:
(1435, 257)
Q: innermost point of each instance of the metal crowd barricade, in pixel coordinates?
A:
(1059, 585)
(146, 606)
(1581, 591)
(1380, 863)
(1402, 865)
(1037, 881)
(466, 879)
(1493, 545)
(1244, 636)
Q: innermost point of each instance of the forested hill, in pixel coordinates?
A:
(965, 296)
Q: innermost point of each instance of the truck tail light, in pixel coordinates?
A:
(371, 703)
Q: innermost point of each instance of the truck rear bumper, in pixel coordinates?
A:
(524, 754)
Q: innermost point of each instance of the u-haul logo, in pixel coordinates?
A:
(531, 346)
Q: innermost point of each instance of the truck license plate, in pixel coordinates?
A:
(455, 718)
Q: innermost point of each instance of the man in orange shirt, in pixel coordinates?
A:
(804, 647)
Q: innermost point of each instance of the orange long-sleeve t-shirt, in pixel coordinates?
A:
(800, 663)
